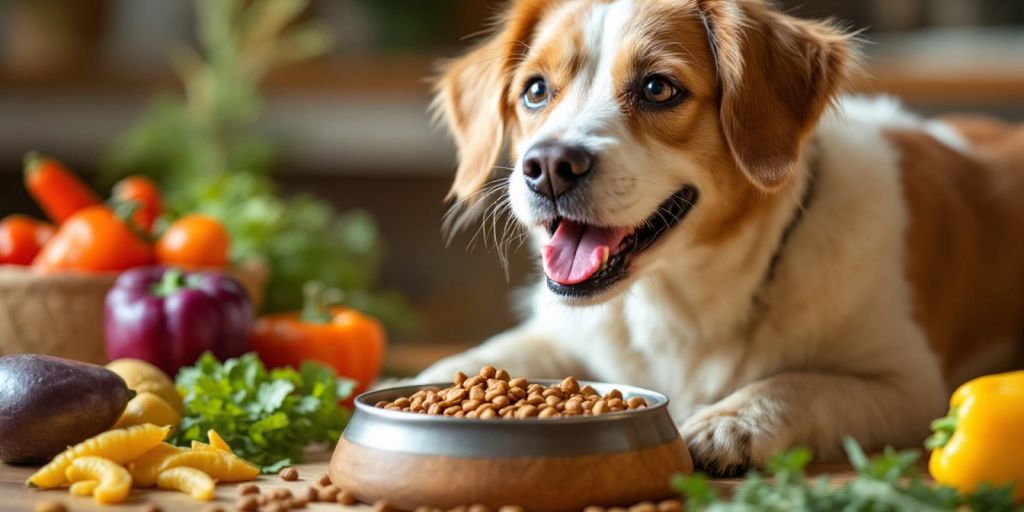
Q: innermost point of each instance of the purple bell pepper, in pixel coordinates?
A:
(169, 318)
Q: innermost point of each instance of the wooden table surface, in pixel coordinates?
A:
(14, 496)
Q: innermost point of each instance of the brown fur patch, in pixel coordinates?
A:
(778, 73)
(965, 243)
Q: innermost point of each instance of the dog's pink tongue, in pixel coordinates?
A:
(576, 251)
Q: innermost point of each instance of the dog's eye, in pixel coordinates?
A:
(536, 94)
(659, 90)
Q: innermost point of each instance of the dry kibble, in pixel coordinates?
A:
(328, 493)
(346, 498)
(50, 506)
(280, 494)
(311, 494)
(247, 503)
(324, 480)
(494, 393)
(247, 489)
(289, 474)
(274, 507)
(477, 393)
(299, 502)
(382, 506)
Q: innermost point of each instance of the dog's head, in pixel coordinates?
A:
(637, 127)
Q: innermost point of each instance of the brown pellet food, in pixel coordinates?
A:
(51, 506)
(346, 498)
(670, 506)
(328, 493)
(246, 489)
(324, 480)
(493, 394)
(289, 474)
(247, 503)
(280, 494)
(311, 494)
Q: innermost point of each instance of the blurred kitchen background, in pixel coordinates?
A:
(350, 127)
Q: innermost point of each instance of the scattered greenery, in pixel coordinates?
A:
(268, 417)
(204, 149)
(888, 482)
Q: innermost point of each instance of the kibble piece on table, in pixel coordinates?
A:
(289, 474)
(50, 506)
(246, 489)
(248, 503)
(311, 494)
(328, 493)
(670, 506)
(324, 480)
(494, 394)
(346, 498)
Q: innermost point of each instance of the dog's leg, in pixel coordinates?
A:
(813, 410)
(523, 352)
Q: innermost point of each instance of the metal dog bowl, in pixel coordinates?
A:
(414, 460)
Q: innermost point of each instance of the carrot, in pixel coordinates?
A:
(55, 188)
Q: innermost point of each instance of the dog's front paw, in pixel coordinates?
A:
(724, 441)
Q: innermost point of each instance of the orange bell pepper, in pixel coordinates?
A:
(350, 342)
(94, 239)
(55, 188)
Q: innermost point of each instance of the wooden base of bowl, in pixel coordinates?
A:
(553, 484)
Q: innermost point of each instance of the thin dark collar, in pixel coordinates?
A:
(797, 216)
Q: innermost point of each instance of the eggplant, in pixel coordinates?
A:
(48, 403)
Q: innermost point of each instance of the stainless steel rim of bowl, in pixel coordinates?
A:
(421, 434)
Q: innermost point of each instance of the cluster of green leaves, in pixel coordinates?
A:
(209, 157)
(887, 483)
(268, 417)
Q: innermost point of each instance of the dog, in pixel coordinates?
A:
(716, 220)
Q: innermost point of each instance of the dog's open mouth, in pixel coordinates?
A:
(582, 259)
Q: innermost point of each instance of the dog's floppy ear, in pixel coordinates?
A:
(472, 94)
(777, 75)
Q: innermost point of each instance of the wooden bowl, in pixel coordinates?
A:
(62, 314)
(414, 460)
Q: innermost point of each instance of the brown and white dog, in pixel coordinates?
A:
(789, 266)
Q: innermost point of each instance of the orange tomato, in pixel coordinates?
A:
(348, 341)
(94, 240)
(21, 238)
(194, 241)
(55, 188)
(145, 193)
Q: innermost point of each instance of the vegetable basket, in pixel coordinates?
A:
(62, 314)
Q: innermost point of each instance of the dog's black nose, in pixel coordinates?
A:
(552, 168)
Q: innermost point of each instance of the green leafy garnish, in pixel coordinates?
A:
(888, 482)
(268, 417)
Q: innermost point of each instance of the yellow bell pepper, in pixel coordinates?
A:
(982, 439)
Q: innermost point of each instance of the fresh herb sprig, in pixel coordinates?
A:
(888, 482)
(268, 417)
